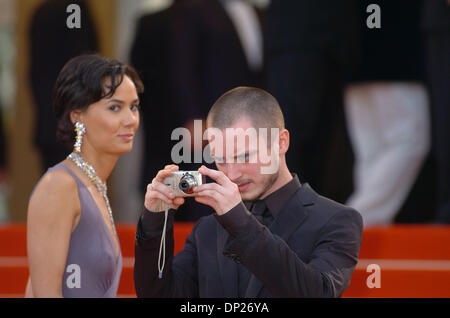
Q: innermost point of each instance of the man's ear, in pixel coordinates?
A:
(283, 141)
(75, 115)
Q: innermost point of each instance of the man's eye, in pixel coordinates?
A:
(244, 158)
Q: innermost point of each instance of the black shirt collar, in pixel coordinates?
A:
(276, 200)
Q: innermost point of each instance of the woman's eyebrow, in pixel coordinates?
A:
(114, 100)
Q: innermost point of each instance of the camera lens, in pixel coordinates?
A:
(187, 183)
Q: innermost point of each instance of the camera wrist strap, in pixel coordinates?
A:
(162, 246)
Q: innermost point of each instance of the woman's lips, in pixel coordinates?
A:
(127, 137)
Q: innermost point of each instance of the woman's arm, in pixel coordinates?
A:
(53, 213)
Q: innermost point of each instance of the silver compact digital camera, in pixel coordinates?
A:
(182, 183)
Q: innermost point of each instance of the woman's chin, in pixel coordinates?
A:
(124, 151)
(121, 150)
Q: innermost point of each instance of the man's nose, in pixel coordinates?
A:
(232, 171)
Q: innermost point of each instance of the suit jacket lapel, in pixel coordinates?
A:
(227, 267)
(290, 218)
(292, 215)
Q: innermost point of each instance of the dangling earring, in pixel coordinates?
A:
(79, 130)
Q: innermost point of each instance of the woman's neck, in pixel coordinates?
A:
(101, 162)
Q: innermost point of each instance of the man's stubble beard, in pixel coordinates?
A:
(266, 186)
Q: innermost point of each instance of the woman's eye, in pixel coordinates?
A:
(134, 107)
(114, 108)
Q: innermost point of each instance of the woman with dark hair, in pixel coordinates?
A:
(73, 248)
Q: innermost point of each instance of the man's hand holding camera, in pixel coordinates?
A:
(222, 196)
(158, 194)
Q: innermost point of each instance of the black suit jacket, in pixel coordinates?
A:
(310, 250)
(382, 56)
(207, 56)
(436, 16)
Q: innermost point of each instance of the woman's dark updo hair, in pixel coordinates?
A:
(81, 83)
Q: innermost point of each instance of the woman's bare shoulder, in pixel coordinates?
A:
(57, 188)
(58, 180)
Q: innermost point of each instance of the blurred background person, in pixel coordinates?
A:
(52, 45)
(188, 55)
(150, 56)
(436, 27)
(3, 170)
(7, 92)
(3, 149)
(387, 111)
(310, 47)
(216, 45)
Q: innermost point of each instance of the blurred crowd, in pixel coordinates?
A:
(367, 107)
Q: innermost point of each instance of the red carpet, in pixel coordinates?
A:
(414, 260)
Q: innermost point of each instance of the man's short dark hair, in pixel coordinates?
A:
(81, 82)
(260, 107)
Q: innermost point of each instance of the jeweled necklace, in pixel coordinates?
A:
(92, 175)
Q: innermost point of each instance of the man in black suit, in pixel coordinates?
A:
(270, 237)
(310, 46)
